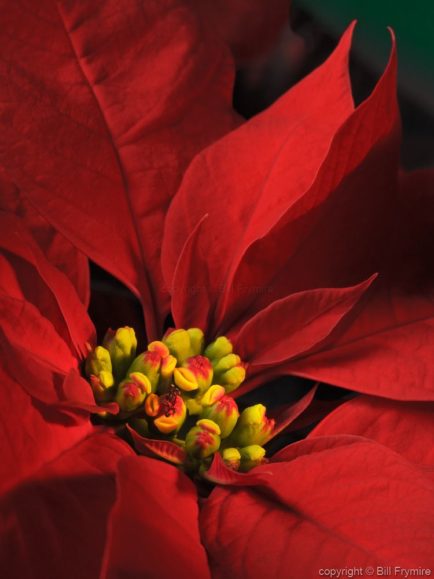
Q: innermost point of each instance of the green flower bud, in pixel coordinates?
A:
(219, 348)
(184, 344)
(253, 427)
(98, 360)
(203, 439)
(98, 369)
(251, 456)
(179, 344)
(122, 345)
(196, 341)
(229, 371)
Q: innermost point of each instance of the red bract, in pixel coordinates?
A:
(306, 197)
(99, 120)
(332, 500)
(57, 471)
(295, 233)
(103, 106)
(337, 500)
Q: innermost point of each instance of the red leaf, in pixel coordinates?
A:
(247, 179)
(387, 349)
(153, 529)
(335, 232)
(54, 524)
(162, 448)
(33, 335)
(341, 501)
(299, 324)
(33, 433)
(57, 249)
(249, 26)
(35, 356)
(98, 123)
(184, 288)
(44, 286)
(404, 427)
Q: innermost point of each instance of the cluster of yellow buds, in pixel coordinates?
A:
(179, 390)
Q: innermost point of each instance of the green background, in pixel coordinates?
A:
(413, 23)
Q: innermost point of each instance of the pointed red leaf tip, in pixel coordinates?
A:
(97, 122)
(250, 27)
(285, 145)
(57, 249)
(162, 448)
(221, 474)
(153, 529)
(299, 324)
(65, 503)
(333, 501)
(44, 326)
(284, 418)
(339, 229)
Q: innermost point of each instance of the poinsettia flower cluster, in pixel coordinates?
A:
(294, 234)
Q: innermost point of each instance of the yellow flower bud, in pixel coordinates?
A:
(253, 427)
(185, 379)
(231, 457)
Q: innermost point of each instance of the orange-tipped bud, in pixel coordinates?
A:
(253, 427)
(185, 379)
(153, 363)
(159, 347)
(172, 412)
(203, 439)
(132, 392)
(201, 369)
(152, 405)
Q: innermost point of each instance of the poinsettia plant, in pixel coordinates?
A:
(290, 244)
